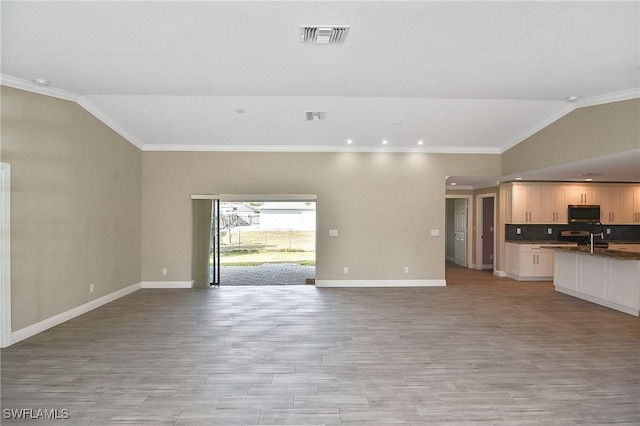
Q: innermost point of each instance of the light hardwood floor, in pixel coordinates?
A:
(481, 350)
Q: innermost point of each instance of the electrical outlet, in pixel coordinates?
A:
(406, 269)
(92, 287)
(518, 231)
(164, 271)
(608, 231)
(549, 231)
(346, 269)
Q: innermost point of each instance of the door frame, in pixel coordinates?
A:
(478, 228)
(226, 198)
(469, 222)
(5, 255)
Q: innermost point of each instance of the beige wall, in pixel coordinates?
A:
(382, 204)
(584, 133)
(75, 206)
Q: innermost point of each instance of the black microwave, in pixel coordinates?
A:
(583, 213)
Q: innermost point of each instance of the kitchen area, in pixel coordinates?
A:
(583, 237)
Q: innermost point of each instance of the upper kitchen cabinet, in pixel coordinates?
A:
(535, 203)
(617, 204)
(636, 204)
(546, 203)
(582, 194)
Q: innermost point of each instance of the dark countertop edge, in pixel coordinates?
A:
(612, 254)
(566, 242)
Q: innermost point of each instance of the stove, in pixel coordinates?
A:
(582, 238)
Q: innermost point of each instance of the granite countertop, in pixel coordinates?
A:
(566, 242)
(615, 254)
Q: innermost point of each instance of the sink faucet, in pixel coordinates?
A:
(600, 234)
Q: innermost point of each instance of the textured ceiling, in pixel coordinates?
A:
(459, 76)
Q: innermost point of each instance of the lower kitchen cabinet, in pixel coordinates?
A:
(529, 262)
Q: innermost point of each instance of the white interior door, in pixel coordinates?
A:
(460, 232)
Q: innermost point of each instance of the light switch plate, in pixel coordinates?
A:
(333, 232)
(435, 232)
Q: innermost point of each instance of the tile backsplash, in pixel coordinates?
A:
(540, 232)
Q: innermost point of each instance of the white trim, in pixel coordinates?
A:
(43, 325)
(30, 86)
(167, 284)
(5, 255)
(599, 301)
(478, 235)
(557, 115)
(256, 197)
(470, 251)
(380, 283)
(92, 109)
(498, 273)
(319, 148)
(623, 95)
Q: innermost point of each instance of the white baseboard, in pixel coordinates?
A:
(167, 284)
(599, 301)
(498, 273)
(381, 283)
(43, 325)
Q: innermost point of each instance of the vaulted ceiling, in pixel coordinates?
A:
(473, 77)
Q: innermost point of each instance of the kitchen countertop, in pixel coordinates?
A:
(568, 243)
(615, 254)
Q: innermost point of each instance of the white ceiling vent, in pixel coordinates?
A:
(316, 115)
(323, 34)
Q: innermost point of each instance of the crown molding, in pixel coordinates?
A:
(623, 95)
(557, 115)
(92, 109)
(318, 148)
(30, 86)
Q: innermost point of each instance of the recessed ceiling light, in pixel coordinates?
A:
(588, 180)
(518, 178)
(240, 110)
(384, 142)
(41, 82)
(396, 122)
(453, 183)
(349, 141)
(420, 143)
(572, 98)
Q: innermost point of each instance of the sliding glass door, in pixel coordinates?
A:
(214, 246)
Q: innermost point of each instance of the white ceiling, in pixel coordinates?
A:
(476, 77)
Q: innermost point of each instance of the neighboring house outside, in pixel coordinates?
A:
(238, 214)
(290, 215)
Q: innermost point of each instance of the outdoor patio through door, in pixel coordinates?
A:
(254, 240)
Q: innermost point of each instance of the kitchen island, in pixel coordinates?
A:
(607, 277)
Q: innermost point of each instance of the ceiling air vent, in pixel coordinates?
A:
(323, 34)
(316, 115)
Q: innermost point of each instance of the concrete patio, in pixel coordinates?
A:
(267, 274)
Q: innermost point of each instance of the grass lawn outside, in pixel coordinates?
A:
(253, 247)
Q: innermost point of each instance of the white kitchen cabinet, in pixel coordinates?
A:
(536, 204)
(528, 262)
(636, 204)
(611, 282)
(617, 204)
(582, 194)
